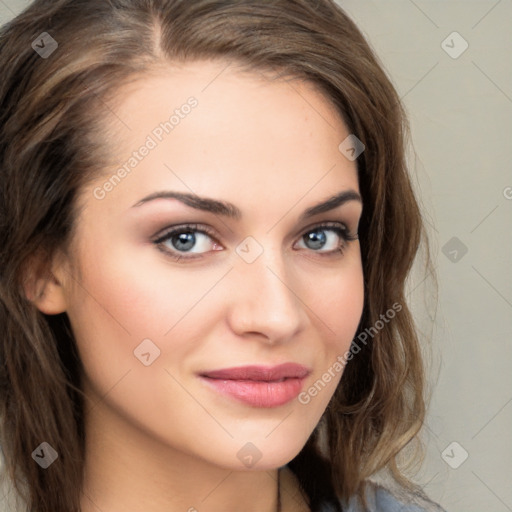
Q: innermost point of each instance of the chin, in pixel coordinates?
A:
(260, 454)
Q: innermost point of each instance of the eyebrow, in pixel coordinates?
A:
(229, 210)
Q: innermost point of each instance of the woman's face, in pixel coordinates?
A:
(261, 281)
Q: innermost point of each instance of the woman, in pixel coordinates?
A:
(207, 223)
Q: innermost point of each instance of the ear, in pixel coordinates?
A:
(44, 286)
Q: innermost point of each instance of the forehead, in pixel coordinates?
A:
(208, 128)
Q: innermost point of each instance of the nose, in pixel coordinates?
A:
(266, 299)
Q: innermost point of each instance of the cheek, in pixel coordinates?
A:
(121, 302)
(120, 314)
(339, 304)
(136, 294)
(340, 307)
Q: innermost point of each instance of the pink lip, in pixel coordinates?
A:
(259, 386)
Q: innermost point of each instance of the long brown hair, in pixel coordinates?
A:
(50, 146)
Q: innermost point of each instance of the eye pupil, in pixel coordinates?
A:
(317, 239)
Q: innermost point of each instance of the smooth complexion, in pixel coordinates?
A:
(158, 438)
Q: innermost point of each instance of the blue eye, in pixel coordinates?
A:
(317, 238)
(193, 239)
(186, 239)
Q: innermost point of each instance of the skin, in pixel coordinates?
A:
(157, 438)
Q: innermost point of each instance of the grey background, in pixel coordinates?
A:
(460, 113)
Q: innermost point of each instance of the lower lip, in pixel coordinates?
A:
(258, 393)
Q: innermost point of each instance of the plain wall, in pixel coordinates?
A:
(460, 109)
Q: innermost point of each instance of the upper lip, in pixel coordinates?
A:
(260, 373)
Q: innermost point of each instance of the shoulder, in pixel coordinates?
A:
(387, 496)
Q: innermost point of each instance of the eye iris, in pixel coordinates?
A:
(316, 238)
(185, 241)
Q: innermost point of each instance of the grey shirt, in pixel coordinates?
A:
(391, 498)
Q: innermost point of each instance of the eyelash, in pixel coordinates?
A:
(340, 229)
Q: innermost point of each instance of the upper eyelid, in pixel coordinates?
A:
(201, 228)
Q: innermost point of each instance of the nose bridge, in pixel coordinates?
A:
(266, 300)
